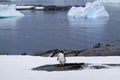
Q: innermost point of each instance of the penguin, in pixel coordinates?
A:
(61, 58)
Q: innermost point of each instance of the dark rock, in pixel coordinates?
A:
(108, 45)
(56, 8)
(49, 53)
(73, 66)
(107, 50)
(56, 67)
(3, 53)
(98, 67)
(102, 51)
(113, 65)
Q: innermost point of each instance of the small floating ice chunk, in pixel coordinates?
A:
(7, 11)
(91, 10)
(39, 8)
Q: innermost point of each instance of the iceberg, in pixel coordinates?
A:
(91, 10)
(7, 11)
(109, 1)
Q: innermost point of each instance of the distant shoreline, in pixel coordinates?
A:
(96, 50)
(45, 7)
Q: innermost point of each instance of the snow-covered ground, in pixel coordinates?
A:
(19, 68)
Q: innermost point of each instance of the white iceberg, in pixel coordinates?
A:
(7, 11)
(109, 1)
(91, 10)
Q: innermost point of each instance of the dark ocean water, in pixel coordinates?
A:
(50, 2)
(39, 30)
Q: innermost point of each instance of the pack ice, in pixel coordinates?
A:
(91, 10)
(7, 11)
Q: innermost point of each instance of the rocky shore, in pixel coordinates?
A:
(97, 50)
(3, 53)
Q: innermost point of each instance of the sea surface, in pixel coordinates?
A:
(45, 30)
(49, 2)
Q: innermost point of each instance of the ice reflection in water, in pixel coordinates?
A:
(96, 23)
(8, 23)
(89, 30)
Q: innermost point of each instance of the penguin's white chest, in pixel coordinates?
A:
(61, 58)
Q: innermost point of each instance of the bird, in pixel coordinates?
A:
(61, 58)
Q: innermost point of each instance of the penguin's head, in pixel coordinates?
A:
(59, 51)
